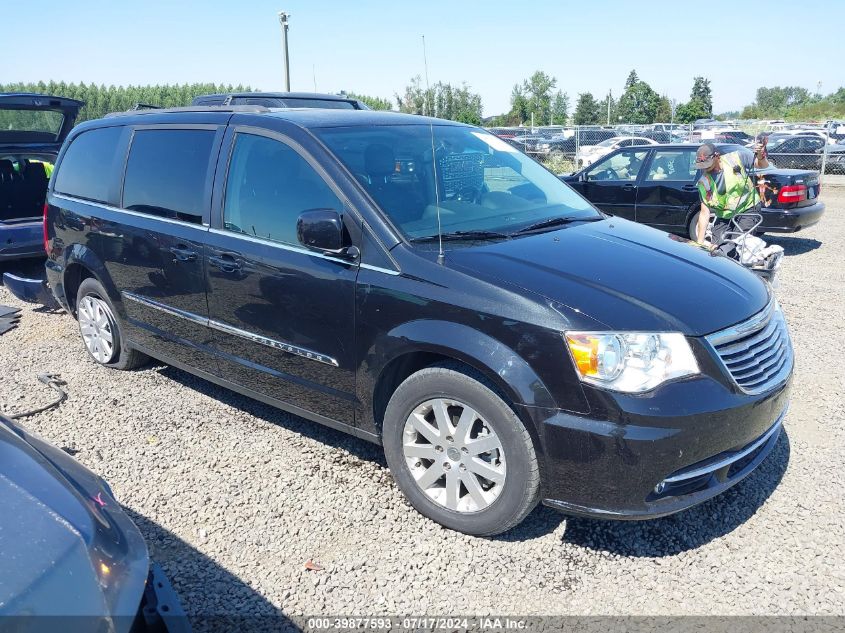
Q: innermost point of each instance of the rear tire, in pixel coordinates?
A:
(459, 453)
(101, 332)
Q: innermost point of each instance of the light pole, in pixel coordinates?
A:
(283, 20)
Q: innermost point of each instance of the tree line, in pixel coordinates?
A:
(100, 100)
(536, 100)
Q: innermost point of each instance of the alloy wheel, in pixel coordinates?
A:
(454, 455)
(95, 323)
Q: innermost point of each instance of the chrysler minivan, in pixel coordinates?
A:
(421, 284)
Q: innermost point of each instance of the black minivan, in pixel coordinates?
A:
(424, 285)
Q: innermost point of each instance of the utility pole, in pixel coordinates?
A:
(609, 97)
(283, 20)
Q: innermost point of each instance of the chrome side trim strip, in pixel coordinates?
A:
(201, 227)
(730, 459)
(205, 227)
(182, 314)
(299, 249)
(269, 342)
(229, 329)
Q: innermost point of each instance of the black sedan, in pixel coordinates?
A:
(655, 185)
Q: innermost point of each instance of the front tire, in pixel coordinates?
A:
(100, 329)
(459, 453)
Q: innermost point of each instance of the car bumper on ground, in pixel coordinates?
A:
(30, 290)
(21, 239)
(791, 220)
(647, 457)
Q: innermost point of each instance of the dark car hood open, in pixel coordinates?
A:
(622, 274)
(69, 108)
(69, 549)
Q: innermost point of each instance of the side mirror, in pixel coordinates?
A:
(322, 230)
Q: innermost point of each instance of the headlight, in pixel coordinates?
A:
(632, 362)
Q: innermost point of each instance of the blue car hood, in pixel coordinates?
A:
(624, 275)
(68, 547)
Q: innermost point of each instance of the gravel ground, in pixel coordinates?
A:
(234, 497)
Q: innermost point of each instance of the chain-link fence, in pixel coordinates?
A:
(805, 146)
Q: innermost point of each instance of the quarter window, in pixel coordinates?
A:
(167, 172)
(269, 185)
(88, 164)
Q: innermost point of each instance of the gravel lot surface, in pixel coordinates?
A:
(234, 497)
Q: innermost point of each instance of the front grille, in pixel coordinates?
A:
(758, 352)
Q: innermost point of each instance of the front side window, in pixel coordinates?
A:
(88, 164)
(166, 173)
(472, 180)
(621, 166)
(269, 185)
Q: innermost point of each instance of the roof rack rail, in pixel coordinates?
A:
(230, 108)
(145, 106)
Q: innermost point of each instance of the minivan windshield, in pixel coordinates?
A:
(479, 183)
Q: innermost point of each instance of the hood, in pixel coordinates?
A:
(624, 275)
(69, 547)
(27, 119)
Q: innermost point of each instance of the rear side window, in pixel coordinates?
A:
(88, 164)
(167, 172)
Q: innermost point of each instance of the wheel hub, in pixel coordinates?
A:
(454, 455)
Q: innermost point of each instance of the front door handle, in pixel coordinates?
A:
(225, 262)
(689, 188)
(182, 253)
(628, 186)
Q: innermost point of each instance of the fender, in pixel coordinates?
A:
(84, 256)
(501, 365)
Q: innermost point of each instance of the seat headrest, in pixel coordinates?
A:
(379, 160)
(35, 170)
(6, 168)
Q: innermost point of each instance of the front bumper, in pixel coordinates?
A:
(791, 220)
(641, 457)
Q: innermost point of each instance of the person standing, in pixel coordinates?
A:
(727, 188)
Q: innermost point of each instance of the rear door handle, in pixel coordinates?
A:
(182, 253)
(689, 188)
(225, 262)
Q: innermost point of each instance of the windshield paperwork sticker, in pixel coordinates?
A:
(495, 142)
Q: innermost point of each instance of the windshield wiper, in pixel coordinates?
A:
(462, 235)
(559, 221)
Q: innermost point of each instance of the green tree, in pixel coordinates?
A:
(560, 108)
(664, 110)
(442, 100)
(536, 96)
(376, 103)
(608, 107)
(631, 80)
(587, 110)
(639, 104)
(701, 92)
(690, 111)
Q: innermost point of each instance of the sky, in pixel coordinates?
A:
(375, 47)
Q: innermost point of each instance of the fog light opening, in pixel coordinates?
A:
(659, 488)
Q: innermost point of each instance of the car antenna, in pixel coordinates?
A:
(441, 256)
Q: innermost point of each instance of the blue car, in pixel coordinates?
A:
(32, 129)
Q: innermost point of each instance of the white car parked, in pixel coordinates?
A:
(591, 153)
